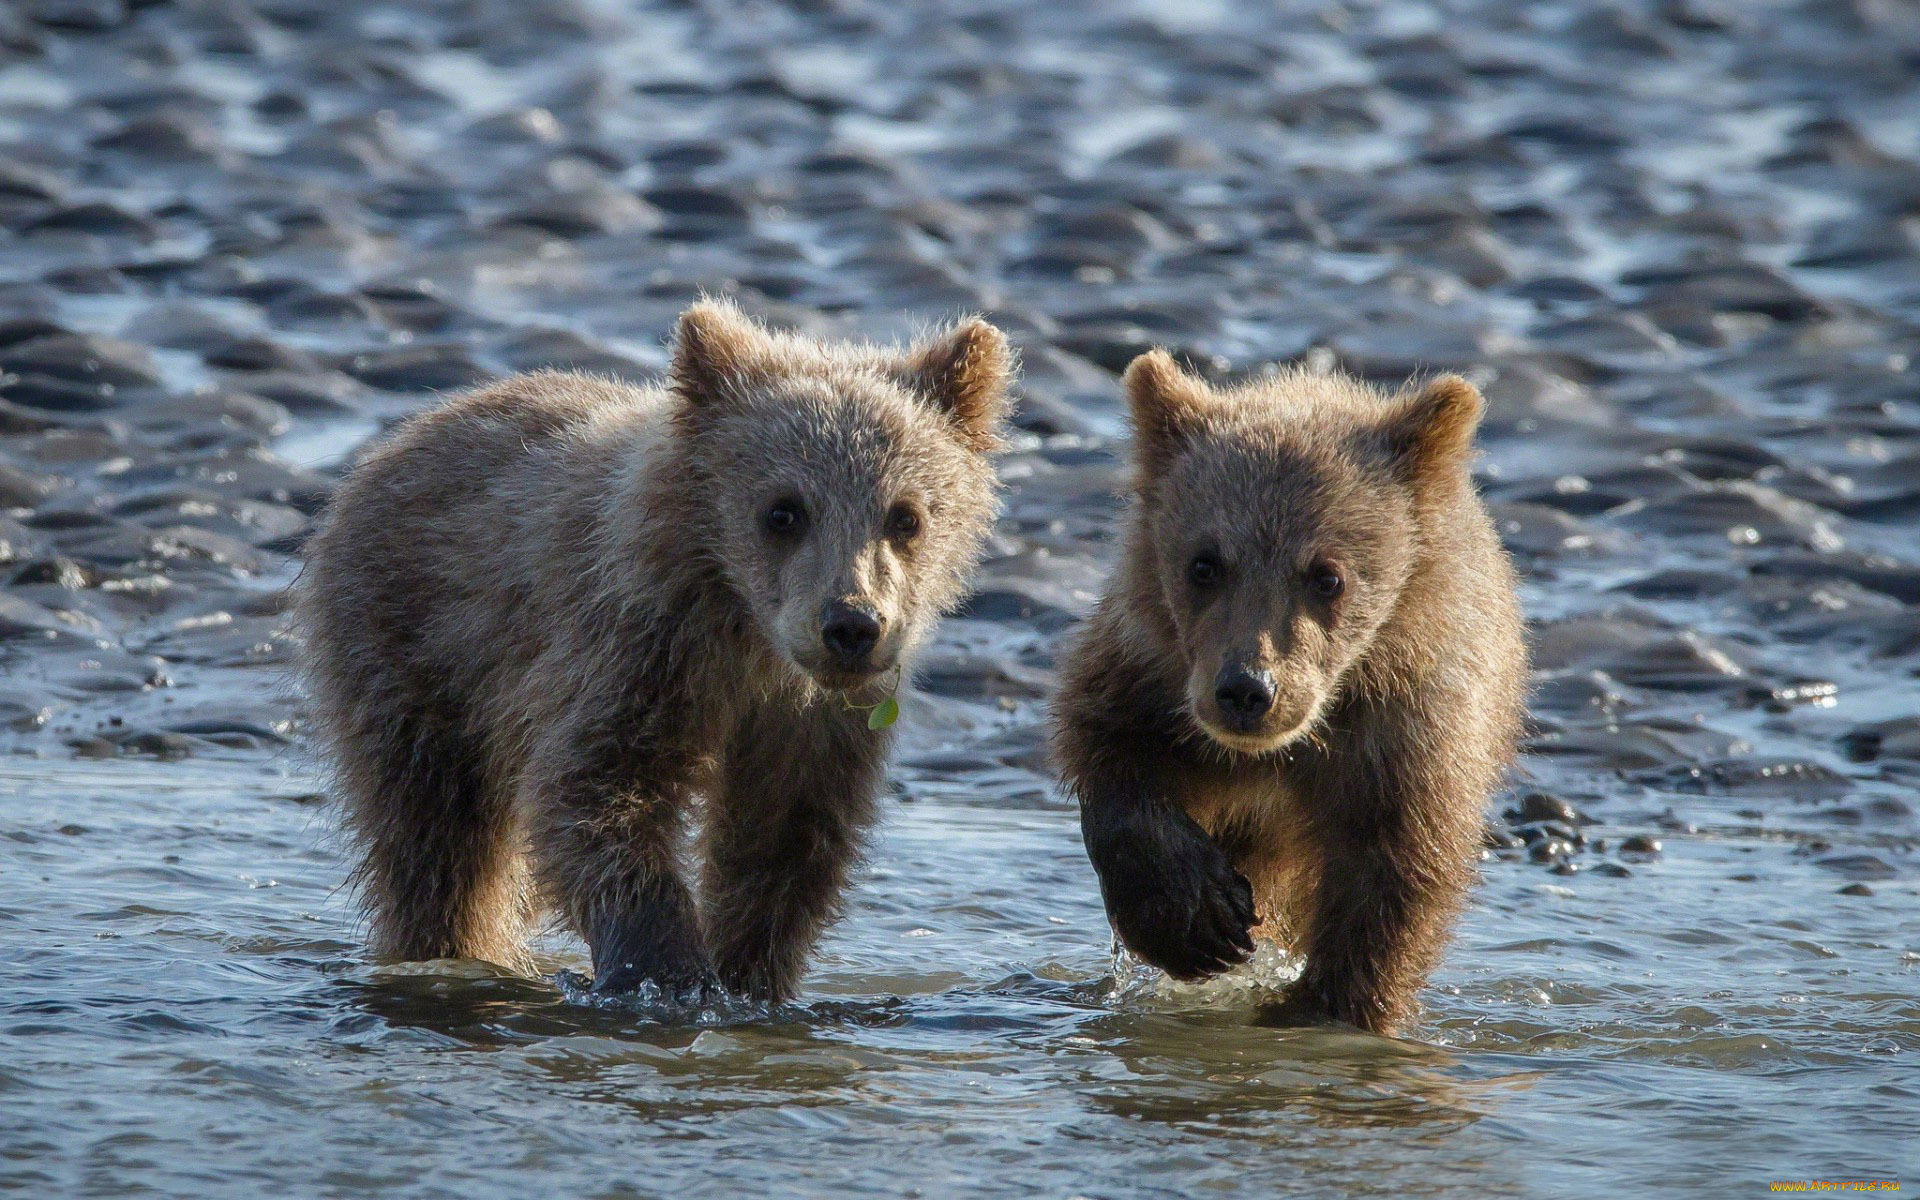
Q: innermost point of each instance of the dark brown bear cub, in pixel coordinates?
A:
(1305, 678)
(555, 623)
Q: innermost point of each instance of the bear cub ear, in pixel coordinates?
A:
(965, 371)
(716, 349)
(1431, 437)
(1166, 405)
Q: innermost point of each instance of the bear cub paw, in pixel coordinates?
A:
(1173, 897)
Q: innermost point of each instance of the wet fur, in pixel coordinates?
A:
(1355, 841)
(536, 651)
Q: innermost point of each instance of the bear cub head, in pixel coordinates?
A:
(850, 485)
(1277, 523)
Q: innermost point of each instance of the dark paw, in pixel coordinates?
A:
(760, 984)
(682, 983)
(671, 960)
(1176, 901)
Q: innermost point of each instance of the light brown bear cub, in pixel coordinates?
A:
(550, 618)
(1301, 685)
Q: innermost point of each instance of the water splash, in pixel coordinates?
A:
(713, 1006)
(1262, 979)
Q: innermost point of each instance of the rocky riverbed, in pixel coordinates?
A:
(1676, 242)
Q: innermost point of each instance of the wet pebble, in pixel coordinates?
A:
(1898, 738)
(1549, 849)
(418, 369)
(1541, 806)
(1858, 866)
(87, 360)
(1499, 837)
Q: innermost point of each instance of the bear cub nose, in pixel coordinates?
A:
(1244, 695)
(850, 633)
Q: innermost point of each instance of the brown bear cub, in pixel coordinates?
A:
(558, 622)
(1305, 678)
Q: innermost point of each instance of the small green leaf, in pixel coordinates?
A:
(884, 713)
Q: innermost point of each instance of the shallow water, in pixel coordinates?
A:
(1675, 242)
(188, 1014)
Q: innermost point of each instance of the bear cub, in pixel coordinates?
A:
(557, 623)
(1306, 676)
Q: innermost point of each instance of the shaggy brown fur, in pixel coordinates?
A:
(549, 616)
(1301, 685)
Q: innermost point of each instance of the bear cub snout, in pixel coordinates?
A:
(1304, 679)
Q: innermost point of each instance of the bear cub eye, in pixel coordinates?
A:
(903, 523)
(1324, 581)
(1205, 571)
(787, 517)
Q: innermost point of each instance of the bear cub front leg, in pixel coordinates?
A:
(1171, 894)
(604, 846)
(653, 937)
(797, 794)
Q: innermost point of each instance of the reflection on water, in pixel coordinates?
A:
(186, 1006)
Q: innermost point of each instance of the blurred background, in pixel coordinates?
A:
(1675, 241)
